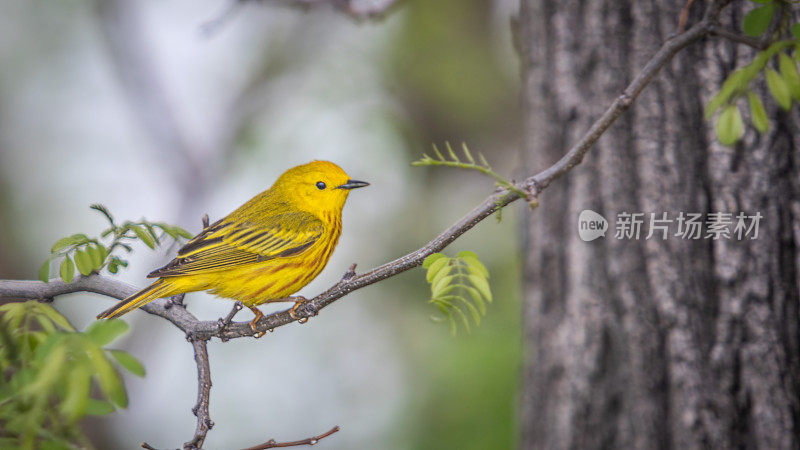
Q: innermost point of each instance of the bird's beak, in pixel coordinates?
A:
(352, 184)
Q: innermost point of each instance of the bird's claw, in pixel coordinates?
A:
(305, 308)
(256, 334)
(253, 323)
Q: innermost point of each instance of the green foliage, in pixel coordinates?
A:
(48, 370)
(481, 166)
(783, 84)
(730, 126)
(458, 282)
(757, 113)
(757, 21)
(91, 255)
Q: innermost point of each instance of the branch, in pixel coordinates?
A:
(204, 422)
(757, 44)
(272, 443)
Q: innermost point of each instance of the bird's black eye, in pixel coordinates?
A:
(320, 185)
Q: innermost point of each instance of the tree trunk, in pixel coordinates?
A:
(651, 343)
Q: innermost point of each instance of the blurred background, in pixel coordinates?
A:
(137, 106)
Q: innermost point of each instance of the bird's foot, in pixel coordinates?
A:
(254, 323)
(305, 309)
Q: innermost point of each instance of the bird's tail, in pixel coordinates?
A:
(156, 290)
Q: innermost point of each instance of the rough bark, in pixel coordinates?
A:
(654, 343)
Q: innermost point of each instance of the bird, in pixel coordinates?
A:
(264, 251)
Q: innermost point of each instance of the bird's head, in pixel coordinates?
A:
(319, 186)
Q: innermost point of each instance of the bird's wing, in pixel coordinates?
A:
(227, 244)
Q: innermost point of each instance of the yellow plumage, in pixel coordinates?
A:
(266, 250)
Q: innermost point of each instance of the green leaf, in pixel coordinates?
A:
(47, 326)
(143, 235)
(50, 371)
(98, 253)
(737, 80)
(76, 400)
(467, 254)
(96, 407)
(431, 259)
(440, 284)
(167, 229)
(110, 383)
(477, 298)
(84, 262)
(152, 232)
(778, 89)
(757, 113)
(47, 346)
(44, 271)
(482, 286)
(473, 264)
(104, 211)
(436, 267)
(67, 270)
(729, 125)
(54, 316)
(102, 332)
(129, 362)
(13, 313)
(463, 317)
(451, 152)
(441, 273)
(183, 233)
(476, 316)
(75, 239)
(790, 75)
(757, 21)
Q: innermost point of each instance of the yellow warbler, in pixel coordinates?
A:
(266, 250)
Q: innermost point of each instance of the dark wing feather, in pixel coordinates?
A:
(228, 244)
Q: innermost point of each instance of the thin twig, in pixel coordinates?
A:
(204, 422)
(684, 15)
(272, 443)
(223, 323)
(757, 44)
